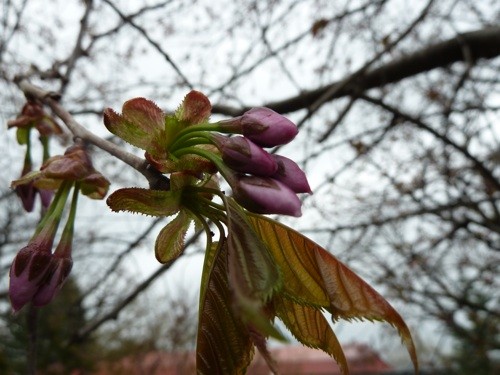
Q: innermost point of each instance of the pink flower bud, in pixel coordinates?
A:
(291, 175)
(266, 196)
(55, 277)
(266, 127)
(244, 156)
(27, 272)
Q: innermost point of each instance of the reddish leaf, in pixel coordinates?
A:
(253, 274)
(223, 345)
(195, 108)
(311, 328)
(252, 270)
(260, 343)
(314, 277)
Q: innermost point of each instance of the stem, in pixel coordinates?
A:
(79, 131)
(223, 169)
(183, 136)
(67, 234)
(45, 143)
(50, 221)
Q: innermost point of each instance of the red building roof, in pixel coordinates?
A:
(291, 360)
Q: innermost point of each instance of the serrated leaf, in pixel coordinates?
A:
(145, 201)
(310, 327)
(141, 124)
(252, 270)
(223, 343)
(194, 109)
(126, 129)
(260, 343)
(170, 241)
(314, 277)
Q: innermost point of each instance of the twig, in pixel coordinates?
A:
(155, 179)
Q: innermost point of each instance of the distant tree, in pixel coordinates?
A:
(54, 326)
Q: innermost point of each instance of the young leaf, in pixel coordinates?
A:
(253, 275)
(312, 276)
(145, 201)
(310, 327)
(252, 270)
(223, 345)
(170, 241)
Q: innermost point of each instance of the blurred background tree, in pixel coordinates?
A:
(398, 108)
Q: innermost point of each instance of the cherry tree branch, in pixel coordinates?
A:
(155, 179)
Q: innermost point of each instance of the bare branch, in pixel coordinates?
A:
(154, 178)
(482, 44)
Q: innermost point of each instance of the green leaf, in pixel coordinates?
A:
(170, 241)
(309, 326)
(252, 269)
(145, 201)
(314, 277)
(223, 344)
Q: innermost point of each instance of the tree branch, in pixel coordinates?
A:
(482, 44)
(154, 178)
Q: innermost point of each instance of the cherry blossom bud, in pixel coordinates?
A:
(56, 275)
(263, 126)
(242, 155)
(291, 175)
(266, 196)
(27, 272)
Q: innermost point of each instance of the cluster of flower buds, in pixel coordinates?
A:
(33, 116)
(37, 273)
(187, 142)
(263, 183)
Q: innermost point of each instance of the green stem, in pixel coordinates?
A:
(197, 128)
(183, 139)
(45, 143)
(67, 234)
(51, 219)
(27, 157)
(217, 160)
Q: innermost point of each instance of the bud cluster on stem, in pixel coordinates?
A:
(37, 273)
(261, 182)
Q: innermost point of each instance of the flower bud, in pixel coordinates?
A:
(27, 272)
(291, 175)
(56, 275)
(265, 127)
(244, 156)
(266, 196)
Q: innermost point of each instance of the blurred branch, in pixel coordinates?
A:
(155, 45)
(484, 171)
(115, 311)
(77, 50)
(482, 44)
(120, 257)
